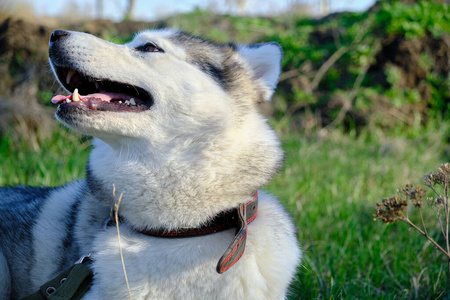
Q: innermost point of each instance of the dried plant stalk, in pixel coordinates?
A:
(116, 219)
(394, 208)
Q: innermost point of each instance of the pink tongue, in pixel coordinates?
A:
(101, 96)
(59, 98)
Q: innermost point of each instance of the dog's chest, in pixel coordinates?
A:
(161, 268)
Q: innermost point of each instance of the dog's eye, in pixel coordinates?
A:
(150, 47)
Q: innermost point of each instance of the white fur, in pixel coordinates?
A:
(265, 61)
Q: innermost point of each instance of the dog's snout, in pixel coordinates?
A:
(57, 34)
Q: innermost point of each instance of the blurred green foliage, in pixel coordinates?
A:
(414, 20)
(384, 68)
(364, 36)
(353, 47)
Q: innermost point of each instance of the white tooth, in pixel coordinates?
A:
(68, 100)
(127, 102)
(75, 96)
(69, 75)
(120, 102)
(132, 101)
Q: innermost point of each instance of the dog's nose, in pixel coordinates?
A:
(57, 34)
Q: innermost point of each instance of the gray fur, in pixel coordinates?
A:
(18, 210)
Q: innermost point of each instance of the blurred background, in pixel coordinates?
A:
(347, 64)
(142, 10)
(362, 108)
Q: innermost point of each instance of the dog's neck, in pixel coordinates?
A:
(184, 189)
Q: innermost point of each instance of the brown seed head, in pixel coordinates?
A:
(415, 194)
(429, 179)
(390, 209)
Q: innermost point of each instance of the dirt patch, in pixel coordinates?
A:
(413, 58)
(408, 54)
(23, 73)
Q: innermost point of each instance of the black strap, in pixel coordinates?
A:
(71, 284)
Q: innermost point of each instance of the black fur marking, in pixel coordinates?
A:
(216, 73)
(97, 188)
(68, 245)
(209, 57)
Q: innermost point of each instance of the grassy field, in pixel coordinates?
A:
(330, 185)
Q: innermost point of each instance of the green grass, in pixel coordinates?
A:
(49, 162)
(331, 186)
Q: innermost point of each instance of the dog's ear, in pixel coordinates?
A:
(265, 63)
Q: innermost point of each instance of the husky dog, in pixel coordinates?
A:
(179, 136)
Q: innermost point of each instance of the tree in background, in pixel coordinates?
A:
(129, 10)
(99, 8)
(128, 14)
(324, 7)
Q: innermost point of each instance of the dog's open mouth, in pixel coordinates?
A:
(99, 94)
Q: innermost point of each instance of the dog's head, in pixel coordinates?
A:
(179, 117)
(161, 80)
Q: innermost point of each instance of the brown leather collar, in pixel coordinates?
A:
(238, 218)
